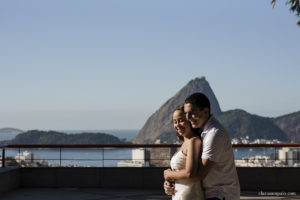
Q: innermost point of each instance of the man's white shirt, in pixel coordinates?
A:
(222, 180)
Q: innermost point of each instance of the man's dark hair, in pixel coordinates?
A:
(199, 100)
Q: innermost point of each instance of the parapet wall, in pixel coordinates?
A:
(93, 177)
(9, 179)
(278, 179)
(251, 179)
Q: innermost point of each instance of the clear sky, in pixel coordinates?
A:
(110, 64)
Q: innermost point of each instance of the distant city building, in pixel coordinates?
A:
(160, 157)
(235, 141)
(255, 161)
(26, 156)
(140, 158)
(245, 140)
(289, 155)
(157, 141)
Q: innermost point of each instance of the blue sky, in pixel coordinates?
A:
(110, 64)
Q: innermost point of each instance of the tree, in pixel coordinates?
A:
(294, 7)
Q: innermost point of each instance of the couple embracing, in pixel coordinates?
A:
(204, 166)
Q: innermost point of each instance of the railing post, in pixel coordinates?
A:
(3, 157)
(20, 163)
(59, 156)
(102, 157)
(275, 157)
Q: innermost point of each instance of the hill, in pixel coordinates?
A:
(54, 137)
(240, 123)
(10, 131)
(290, 124)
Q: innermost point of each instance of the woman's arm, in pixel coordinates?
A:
(192, 162)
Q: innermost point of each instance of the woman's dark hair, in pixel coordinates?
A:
(195, 130)
(199, 100)
(180, 108)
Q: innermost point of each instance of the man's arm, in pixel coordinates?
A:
(211, 152)
(203, 169)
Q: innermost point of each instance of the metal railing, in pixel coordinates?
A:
(140, 155)
(104, 155)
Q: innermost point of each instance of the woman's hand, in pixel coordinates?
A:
(167, 174)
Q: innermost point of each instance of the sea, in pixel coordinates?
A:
(94, 157)
(99, 157)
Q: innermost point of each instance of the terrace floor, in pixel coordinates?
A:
(109, 194)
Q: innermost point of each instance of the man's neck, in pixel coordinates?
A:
(209, 116)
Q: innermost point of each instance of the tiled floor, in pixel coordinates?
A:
(109, 194)
(82, 194)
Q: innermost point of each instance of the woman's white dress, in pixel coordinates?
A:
(185, 189)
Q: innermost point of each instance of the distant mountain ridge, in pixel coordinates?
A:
(238, 123)
(290, 124)
(10, 131)
(54, 137)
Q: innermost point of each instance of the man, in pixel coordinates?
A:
(218, 172)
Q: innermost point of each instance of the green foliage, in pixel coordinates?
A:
(294, 7)
(53, 137)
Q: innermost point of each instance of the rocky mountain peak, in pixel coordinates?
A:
(161, 121)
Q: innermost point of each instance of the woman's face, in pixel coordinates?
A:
(181, 124)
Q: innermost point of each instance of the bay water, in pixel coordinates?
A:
(100, 157)
(107, 157)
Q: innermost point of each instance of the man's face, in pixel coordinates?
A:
(196, 116)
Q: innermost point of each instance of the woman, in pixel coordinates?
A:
(185, 162)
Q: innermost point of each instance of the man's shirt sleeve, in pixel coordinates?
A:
(212, 145)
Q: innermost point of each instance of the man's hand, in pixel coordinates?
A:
(169, 187)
